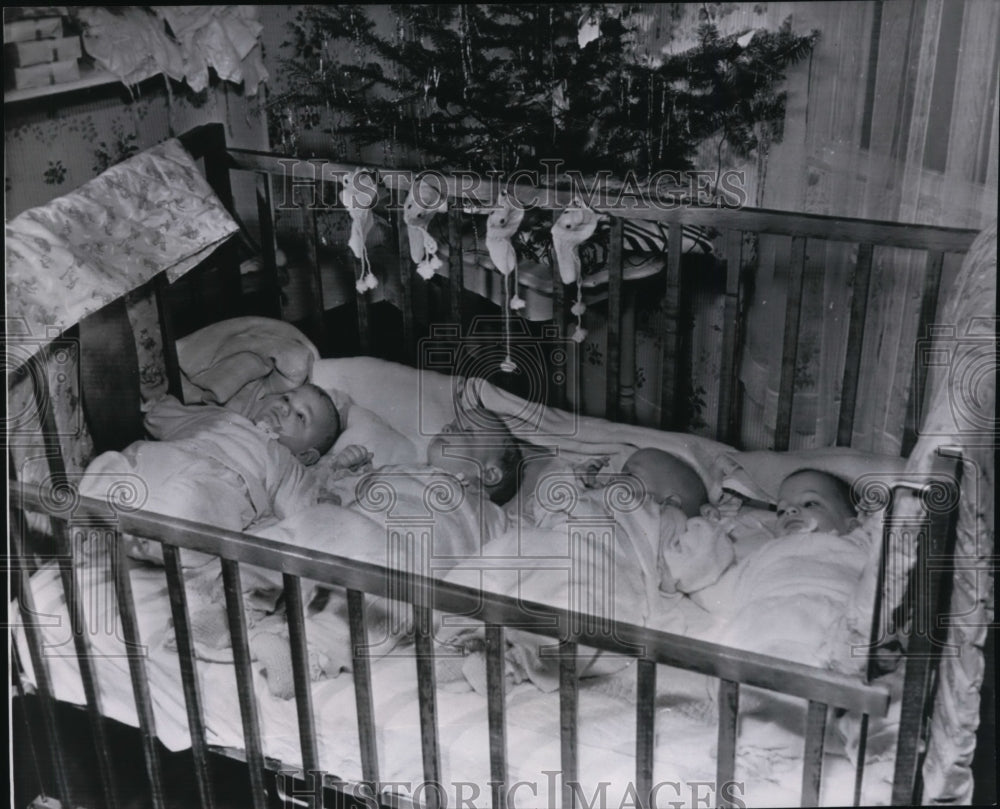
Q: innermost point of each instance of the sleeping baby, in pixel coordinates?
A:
(795, 596)
(217, 466)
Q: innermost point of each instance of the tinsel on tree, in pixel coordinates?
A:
(504, 87)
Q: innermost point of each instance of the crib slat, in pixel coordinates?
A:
(363, 686)
(315, 312)
(926, 596)
(244, 680)
(793, 312)
(406, 286)
(137, 669)
(669, 378)
(727, 428)
(268, 244)
(859, 768)
(456, 268)
(612, 382)
(569, 699)
(427, 697)
(855, 343)
(189, 678)
(645, 728)
(812, 758)
(729, 709)
(43, 686)
(168, 334)
(495, 713)
(928, 309)
(303, 683)
(85, 658)
(557, 385)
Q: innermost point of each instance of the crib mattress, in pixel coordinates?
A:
(768, 769)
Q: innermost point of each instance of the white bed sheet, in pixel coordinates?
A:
(769, 753)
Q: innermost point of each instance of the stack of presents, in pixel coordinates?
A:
(36, 51)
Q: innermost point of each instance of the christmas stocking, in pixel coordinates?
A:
(425, 199)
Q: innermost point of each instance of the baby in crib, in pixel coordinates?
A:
(799, 596)
(813, 501)
(218, 466)
(477, 449)
(669, 480)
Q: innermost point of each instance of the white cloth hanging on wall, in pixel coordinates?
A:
(133, 43)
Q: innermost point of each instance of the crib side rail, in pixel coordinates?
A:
(734, 668)
(809, 232)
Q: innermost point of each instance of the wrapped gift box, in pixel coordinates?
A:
(26, 30)
(43, 75)
(40, 51)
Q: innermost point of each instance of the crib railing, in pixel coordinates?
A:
(734, 224)
(734, 669)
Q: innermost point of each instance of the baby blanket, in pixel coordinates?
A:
(221, 360)
(151, 213)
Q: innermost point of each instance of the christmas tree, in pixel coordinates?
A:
(505, 87)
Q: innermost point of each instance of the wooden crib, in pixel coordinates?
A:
(734, 669)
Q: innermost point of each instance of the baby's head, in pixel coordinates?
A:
(478, 446)
(668, 479)
(810, 500)
(304, 419)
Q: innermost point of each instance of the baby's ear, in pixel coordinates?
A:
(308, 456)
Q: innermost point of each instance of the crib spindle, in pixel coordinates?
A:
(859, 768)
(645, 729)
(406, 287)
(495, 709)
(557, 384)
(612, 382)
(189, 677)
(363, 686)
(855, 343)
(789, 346)
(456, 269)
(315, 315)
(168, 335)
(85, 659)
(244, 680)
(928, 309)
(729, 708)
(268, 244)
(43, 686)
(669, 378)
(303, 685)
(427, 698)
(569, 700)
(727, 428)
(137, 669)
(812, 758)
(925, 597)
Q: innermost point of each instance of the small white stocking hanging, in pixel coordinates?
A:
(426, 198)
(359, 196)
(501, 225)
(574, 226)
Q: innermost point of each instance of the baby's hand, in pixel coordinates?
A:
(587, 472)
(326, 496)
(353, 457)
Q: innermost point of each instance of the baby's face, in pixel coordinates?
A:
(464, 451)
(693, 552)
(810, 502)
(300, 418)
